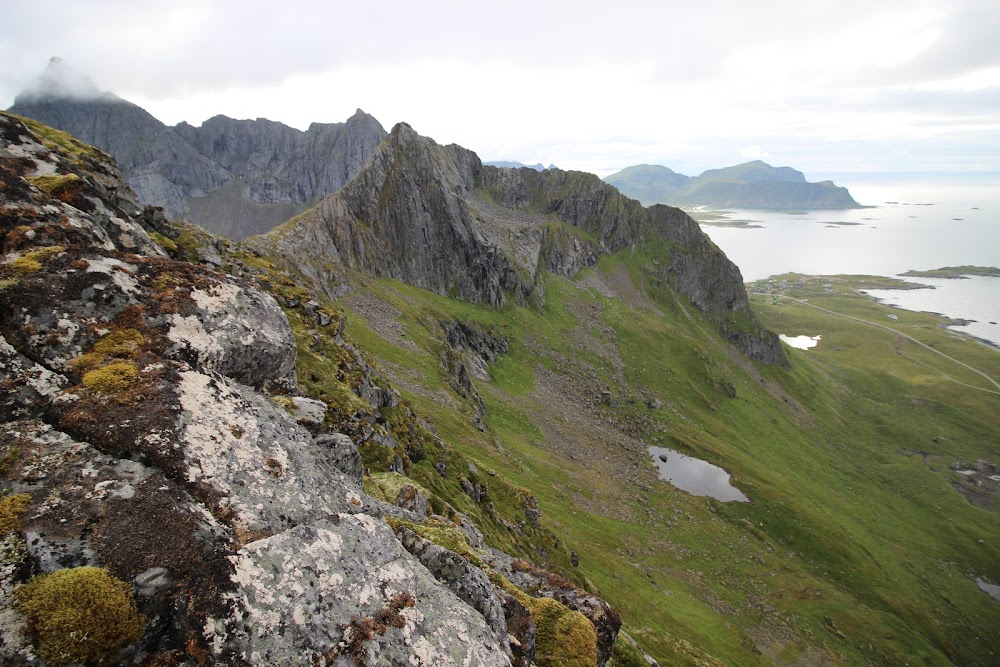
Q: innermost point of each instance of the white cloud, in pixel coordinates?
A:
(582, 84)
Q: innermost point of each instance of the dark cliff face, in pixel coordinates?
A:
(435, 217)
(693, 266)
(406, 215)
(232, 177)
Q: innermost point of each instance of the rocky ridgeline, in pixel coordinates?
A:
(155, 432)
(232, 177)
(433, 216)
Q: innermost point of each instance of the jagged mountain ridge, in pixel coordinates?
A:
(436, 217)
(754, 184)
(232, 177)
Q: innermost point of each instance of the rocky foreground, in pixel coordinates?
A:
(171, 496)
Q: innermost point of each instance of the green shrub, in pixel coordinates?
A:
(80, 615)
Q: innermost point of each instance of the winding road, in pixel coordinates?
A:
(898, 333)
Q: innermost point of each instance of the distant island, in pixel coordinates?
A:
(955, 272)
(509, 164)
(749, 185)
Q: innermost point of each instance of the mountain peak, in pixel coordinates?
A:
(59, 80)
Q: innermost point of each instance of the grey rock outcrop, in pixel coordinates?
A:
(464, 579)
(232, 177)
(343, 454)
(349, 567)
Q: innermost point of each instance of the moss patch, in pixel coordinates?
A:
(31, 261)
(11, 509)
(79, 615)
(287, 403)
(565, 637)
(60, 186)
(443, 535)
(123, 343)
(63, 143)
(386, 486)
(113, 378)
(165, 243)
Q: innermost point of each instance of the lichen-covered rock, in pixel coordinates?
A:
(251, 453)
(25, 387)
(58, 190)
(343, 454)
(292, 585)
(309, 412)
(238, 331)
(464, 579)
(604, 618)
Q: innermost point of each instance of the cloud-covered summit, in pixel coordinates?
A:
(60, 81)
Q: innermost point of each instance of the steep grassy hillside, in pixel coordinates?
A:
(859, 546)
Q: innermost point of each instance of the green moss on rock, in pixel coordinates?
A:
(165, 243)
(123, 343)
(63, 143)
(59, 186)
(31, 261)
(79, 615)
(113, 378)
(11, 509)
(565, 637)
(443, 535)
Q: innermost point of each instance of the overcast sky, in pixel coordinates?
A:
(826, 86)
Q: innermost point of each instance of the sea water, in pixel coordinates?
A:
(909, 225)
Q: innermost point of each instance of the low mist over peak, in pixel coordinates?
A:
(232, 177)
(61, 81)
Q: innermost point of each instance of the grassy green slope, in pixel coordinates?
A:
(856, 548)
